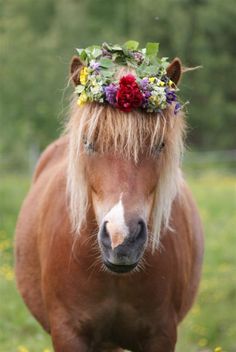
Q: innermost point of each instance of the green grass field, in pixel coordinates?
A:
(210, 326)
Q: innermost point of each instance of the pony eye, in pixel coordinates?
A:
(159, 148)
(89, 147)
(162, 146)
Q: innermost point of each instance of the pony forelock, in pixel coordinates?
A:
(131, 135)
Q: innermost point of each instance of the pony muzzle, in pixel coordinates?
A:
(121, 252)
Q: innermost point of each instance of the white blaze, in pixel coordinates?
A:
(115, 224)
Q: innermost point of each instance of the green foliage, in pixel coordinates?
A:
(152, 49)
(37, 40)
(211, 322)
(131, 45)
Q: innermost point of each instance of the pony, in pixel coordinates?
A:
(109, 242)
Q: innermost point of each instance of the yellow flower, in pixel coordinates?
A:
(22, 349)
(218, 349)
(161, 84)
(82, 99)
(152, 79)
(7, 272)
(83, 75)
(170, 83)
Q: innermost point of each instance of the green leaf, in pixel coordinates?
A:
(107, 73)
(152, 49)
(116, 48)
(153, 70)
(131, 45)
(106, 63)
(96, 52)
(127, 52)
(121, 60)
(79, 89)
(164, 62)
(82, 54)
(92, 47)
(107, 46)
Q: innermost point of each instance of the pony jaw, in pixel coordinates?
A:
(128, 135)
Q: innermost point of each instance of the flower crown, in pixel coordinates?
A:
(151, 90)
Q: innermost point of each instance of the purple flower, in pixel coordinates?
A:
(170, 96)
(145, 88)
(95, 66)
(106, 53)
(138, 57)
(178, 107)
(110, 92)
(144, 83)
(146, 96)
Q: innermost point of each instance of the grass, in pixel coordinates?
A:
(211, 324)
(212, 321)
(18, 330)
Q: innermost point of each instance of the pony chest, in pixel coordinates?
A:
(115, 319)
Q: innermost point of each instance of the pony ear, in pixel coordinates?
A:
(174, 70)
(75, 68)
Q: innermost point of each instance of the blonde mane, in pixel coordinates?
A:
(130, 135)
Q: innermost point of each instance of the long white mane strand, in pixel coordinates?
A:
(127, 134)
(170, 179)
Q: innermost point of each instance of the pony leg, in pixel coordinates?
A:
(65, 337)
(161, 345)
(167, 347)
(68, 342)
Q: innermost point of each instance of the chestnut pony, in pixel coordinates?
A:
(109, 242)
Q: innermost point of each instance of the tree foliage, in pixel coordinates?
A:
(38, 38)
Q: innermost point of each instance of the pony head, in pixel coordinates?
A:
(124, 169)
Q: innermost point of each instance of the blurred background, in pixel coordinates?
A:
(37, 40)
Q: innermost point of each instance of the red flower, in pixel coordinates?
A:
(128, 96)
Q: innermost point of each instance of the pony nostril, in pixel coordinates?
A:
(104, 236)
(142, 231)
